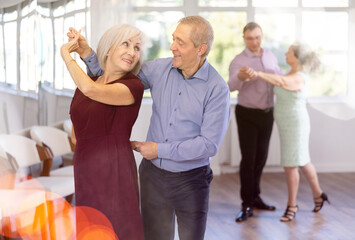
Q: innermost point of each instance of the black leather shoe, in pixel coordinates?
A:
(244, 214)
(259, 204)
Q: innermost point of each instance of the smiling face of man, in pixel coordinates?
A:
(187, 57)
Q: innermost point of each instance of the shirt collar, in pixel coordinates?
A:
(202, 73)
(251, 54)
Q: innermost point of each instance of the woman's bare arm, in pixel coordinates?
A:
(292, 82)
(112, 94)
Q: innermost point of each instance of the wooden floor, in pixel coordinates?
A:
(334, 221)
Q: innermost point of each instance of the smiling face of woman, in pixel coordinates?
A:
(125, 56)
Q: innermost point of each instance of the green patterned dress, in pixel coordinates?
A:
(292, 121)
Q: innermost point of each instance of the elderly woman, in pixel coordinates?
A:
(103, 111)
(293, 123)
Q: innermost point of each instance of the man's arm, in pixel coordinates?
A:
(92, 65)
(235, 82)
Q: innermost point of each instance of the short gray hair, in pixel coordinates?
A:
(202, 31)
(307, 58)
(117, 35)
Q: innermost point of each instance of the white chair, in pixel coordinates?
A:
(67, 126)
(27, 153)
(4, 162)
(58, 141)
(23, 132)
(7, 170)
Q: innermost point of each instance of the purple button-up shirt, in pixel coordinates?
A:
(255, 93)
(190, 114)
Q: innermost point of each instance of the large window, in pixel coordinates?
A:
(54, 22)
(17, 63)
(31, 33)
(323, 24)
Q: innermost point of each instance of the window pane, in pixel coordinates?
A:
(33, 4)
(43, 10)
(69, 7)
(79, 22)
(159, 27)
(45, 56)
(58, 11)
(331, 80)
(222, 3)
(325, 3)
(58, 62)
(228, 38)
(31, 63)
(318, 25)
(28, 80)
(24, 8)
(10, 14)
(80, 19)
(275, 3)
(80, 4)
(279, 33)
(2, 65)
(11, 52)
(67, 81)
(23, 54)
(159, 3)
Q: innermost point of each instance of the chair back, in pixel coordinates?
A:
(67, 126)
(4, 161)
(23, 132)
(23, 149)
(54, 138)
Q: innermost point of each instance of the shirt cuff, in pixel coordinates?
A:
(89, 58)
(164, 150)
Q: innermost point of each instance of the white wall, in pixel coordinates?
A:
(20, 111)
(17, 111)
(332, 144)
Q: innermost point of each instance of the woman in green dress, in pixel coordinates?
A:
(293, 123)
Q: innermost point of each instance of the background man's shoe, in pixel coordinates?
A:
(259, 204)
(244, 214)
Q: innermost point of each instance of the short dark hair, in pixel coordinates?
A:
(251, 26)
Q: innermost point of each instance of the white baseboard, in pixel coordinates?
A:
(225, 169)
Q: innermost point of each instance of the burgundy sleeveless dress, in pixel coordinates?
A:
(105, 170)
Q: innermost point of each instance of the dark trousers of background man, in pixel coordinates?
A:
(166, 194)
(254, 130)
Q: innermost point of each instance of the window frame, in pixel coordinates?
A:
(66, 14)
(20, 17)
(191, 8)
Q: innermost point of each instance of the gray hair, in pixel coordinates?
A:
(202, 31)
(307, 58)
(251, 26)
(115, 36)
